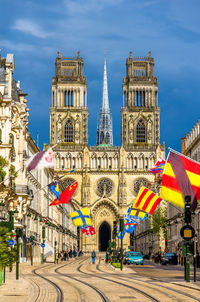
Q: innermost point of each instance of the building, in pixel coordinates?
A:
(109, 177)
(21, 192)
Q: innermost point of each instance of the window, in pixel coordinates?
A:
(11, 139)
(107, 138)
(140, 132)
(139, 73)
(69, 131)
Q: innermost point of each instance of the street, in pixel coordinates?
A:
(80, 280)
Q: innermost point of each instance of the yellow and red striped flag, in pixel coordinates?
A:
(147, 200)
(181, 177)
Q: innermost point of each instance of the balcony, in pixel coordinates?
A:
(23, 189)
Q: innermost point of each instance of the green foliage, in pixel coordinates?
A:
(158, 221)
(117, 265)
(8, 254)
(3, 164)
(13, 172)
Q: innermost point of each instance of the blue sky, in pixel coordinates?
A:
(35, 30)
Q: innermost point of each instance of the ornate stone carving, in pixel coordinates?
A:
(104, 213)
(139, 183)
(104, 187)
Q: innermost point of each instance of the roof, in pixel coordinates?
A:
(104, 145)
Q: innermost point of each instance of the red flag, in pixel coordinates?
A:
(92, 230)
(88, 231)
(66, 195)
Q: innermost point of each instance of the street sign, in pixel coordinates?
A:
(11, 242)
(187, 232)
(42, 245)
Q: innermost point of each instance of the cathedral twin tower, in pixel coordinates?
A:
(109, 177)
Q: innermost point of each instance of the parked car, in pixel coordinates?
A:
(169, 258)
(126, 257)
(134, 258)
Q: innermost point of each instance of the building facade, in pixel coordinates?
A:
(21, 192)
(109, 177)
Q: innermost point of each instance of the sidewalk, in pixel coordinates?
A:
(19, 290)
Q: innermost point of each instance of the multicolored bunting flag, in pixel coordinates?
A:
(158, 167)
(88, 231)
(146, 200)
(40, 160)
(181, 177)
(81, 218)
(66, 195)
(138, 214)
(54, 187)
(119, 233)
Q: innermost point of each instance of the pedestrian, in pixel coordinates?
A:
(70, 253)
(93, 257)
(107, 257)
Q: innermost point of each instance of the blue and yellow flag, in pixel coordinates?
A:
(81, 218)
(53, 186)
(119, 233)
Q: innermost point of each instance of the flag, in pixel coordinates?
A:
(147, 200)
(42, 159)
(129, 225)
(138, 214)
(45, 219)
(181, 177)
(48, 250)
(128, 220)
(119, 233)
(81, 218)
(66, 195)
(88, 231)
(158, 167)
(54, 187)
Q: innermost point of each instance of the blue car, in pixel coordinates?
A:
(134, 258)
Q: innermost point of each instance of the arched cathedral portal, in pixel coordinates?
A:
(104, 236)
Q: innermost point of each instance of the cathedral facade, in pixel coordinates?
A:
(109, 177)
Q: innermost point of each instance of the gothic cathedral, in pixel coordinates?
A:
(109, 177)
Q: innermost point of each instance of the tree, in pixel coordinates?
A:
(3, 164)
(159, 221)
(8, 254)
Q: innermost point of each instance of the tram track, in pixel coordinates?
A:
(59, 291)
(104, 298)
(163, 286)
(118, 283)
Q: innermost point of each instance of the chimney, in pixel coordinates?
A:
(183, 145)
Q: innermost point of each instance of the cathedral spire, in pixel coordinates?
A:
(104, 126)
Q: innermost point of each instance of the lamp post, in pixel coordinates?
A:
(18, 234)
(55, 243)
(121, 226)
(43, 240)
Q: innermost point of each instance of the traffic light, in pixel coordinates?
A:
(115, 228)
(165, 242)
(188, 210)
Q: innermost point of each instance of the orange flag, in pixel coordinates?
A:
(66, 195)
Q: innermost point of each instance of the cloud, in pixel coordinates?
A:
(29, 27)
(17, 47)
(88, 6)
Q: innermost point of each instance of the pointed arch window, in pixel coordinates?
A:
(107, 138)
(69, 131)
(140, 132)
